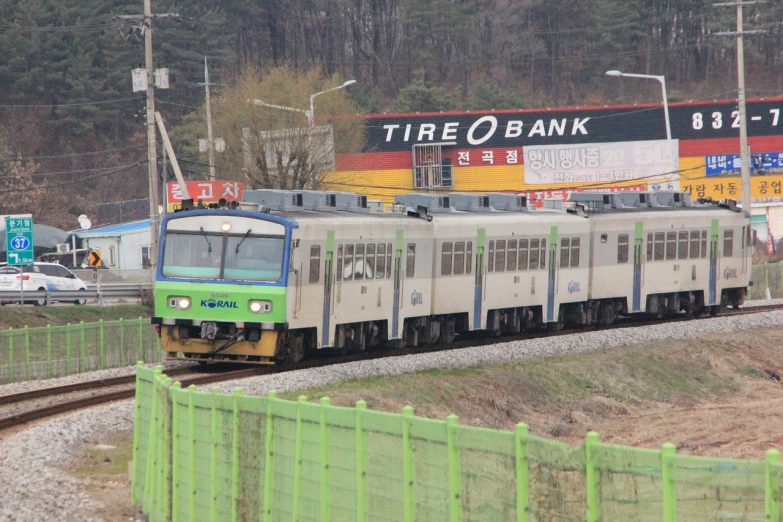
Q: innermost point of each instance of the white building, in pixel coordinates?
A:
(122, 247)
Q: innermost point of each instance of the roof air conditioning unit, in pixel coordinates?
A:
(63, 247)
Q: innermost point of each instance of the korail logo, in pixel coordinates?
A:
(730, 273)
(573, 287)
(416, 298)
(218, 303)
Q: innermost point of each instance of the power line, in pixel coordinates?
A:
(74, 182)
(75, 154)
(80, 104)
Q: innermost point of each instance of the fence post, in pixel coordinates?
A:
(772, 486)
(523, 500)
(82, 353)
(68, 349)
(164, 486)
(455, 471)
(298, 459)
(268, 468)
(325, 511)
(100, 340)
(592, 479)
(48, 351)
(10, 354)
(136, 441)
(192, 454)
(122, 342)
(151, 446)
(175, 480)
(27, 352)
(361, 464)
(235, 457)
(141, 340)
(668, 451)
(407, 464)
(213, 455)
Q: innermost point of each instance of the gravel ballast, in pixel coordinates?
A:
(35, 488)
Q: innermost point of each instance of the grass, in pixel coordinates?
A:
(12, 316)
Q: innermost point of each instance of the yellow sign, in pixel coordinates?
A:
(95, 259)
(762, 188)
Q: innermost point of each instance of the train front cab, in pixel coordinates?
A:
(221, 285)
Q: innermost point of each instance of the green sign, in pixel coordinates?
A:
(19, 240)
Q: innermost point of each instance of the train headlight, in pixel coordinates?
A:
(225, 227)
(179, 302)
(260, 307)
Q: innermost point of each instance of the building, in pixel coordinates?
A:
(122, 247)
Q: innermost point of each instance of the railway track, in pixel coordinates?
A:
(25, 407)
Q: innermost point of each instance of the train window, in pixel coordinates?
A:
(410, 262)
(491, 257)
(660, 245)
(649, 247)
(542, 257)
(446, 258)
(728, 243)
(459, 257)
(523, 254)
(703, 243)
(671, 245)
(604, 238)
(575, 252)
(358, 263)
(348, 269)
(469, 257)
(694, 248)
(500, 256)
(380, 264)
(369, 267)
(534, 244)
(565, 248)
(340, 263)
(622, 248)
(315, 263)
(511, 257)
(388, 260)
(682, 244)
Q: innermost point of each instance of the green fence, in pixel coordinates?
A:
(765, 276)
(217, 457)
(57, 351)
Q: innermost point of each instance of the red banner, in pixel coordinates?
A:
(204, 191)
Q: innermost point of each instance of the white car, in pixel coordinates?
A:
(40, 276)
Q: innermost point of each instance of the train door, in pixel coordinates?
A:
(478, 292)
(713, 262)
(395, 330)
(327, 309)
(551, 277)
(637, 266)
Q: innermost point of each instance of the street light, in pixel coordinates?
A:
(662, 80)
(310, 115)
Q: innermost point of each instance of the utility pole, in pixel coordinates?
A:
(210, 141)
(744, 151)
(152, 154)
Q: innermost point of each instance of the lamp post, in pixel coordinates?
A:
(662, 80)
(309, 114)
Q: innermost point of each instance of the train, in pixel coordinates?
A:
(285, 273)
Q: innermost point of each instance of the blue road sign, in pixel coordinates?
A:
(19, 240)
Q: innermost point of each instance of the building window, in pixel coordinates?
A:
(315, 263)
(111, 255)
(622, 248)
(430, 168)
(145, 257)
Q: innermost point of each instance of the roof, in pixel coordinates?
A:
(115, 230)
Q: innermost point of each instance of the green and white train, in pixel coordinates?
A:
(292, 272)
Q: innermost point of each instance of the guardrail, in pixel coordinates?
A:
(93, 292)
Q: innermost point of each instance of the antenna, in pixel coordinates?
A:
(84, 222)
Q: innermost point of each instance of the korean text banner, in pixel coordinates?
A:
(204, 191)
(601, 162)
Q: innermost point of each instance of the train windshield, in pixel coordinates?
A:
(230, 257)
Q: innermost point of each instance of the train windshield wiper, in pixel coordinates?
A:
(236, 250)
(209, 245)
